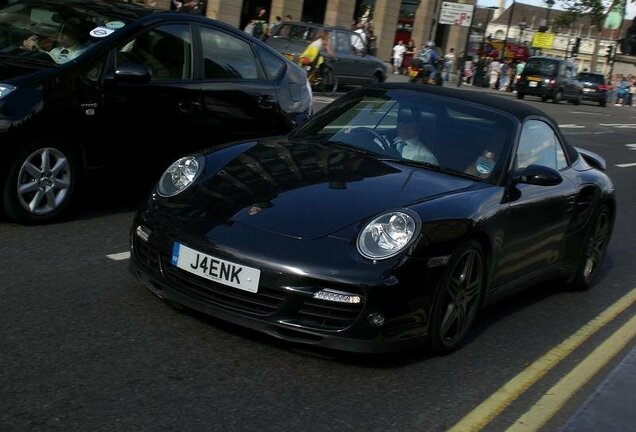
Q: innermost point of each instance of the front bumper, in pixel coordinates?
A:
(284, 306)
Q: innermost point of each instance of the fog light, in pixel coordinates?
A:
(143, 233)
(376, 319)
(337, 296)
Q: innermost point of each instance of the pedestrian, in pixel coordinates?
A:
(398, 56)
(258, 27)
(449, 61)
(411, 49)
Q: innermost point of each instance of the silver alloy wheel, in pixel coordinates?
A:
(44, 181)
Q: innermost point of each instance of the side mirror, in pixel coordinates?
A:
(537, 175)
(133, 73)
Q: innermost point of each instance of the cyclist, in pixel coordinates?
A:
(312, 57)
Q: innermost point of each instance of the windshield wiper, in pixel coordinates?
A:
(423, 164)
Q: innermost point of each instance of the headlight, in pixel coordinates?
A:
(386, 235)
(5, 89)
(179, 176)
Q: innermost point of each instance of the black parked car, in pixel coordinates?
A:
(387, 220)
(353, 66)
(550, 78)
(595, 87)
(87, 84)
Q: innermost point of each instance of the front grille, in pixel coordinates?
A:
(328, 315)
(265, 302)
(146, 255)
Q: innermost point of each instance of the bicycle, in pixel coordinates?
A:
(322, 78)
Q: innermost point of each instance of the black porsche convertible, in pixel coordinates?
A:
(384, 222)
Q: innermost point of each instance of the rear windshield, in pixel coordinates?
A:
(295, 31)
(593, 78)
(541, 67)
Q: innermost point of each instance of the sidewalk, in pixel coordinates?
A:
(612, 406)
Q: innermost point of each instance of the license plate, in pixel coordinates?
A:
(215, 269)
(534, 78)
(532, 84)
(588, 90)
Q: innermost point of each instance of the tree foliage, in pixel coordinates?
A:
(595, 10)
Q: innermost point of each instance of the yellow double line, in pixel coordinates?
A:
(557, 396)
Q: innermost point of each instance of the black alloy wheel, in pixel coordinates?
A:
(595, 247)
(457, 298)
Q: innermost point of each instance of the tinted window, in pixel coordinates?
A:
(273, 65)
(342, 42)
(539, 145)
(541, 67)
(294, 31)
(227, 57)
(594, 78)
(166, 50)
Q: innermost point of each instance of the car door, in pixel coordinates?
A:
(538, 217)
(347, 66)
(158, 112)
(239, 101)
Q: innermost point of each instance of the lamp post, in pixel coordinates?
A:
(505, 44)
(522, 26)
(549, 4)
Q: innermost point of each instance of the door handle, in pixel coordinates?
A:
(188, 107)
(265, 101)
(570, 203)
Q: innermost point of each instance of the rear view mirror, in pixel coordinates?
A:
(537, 175)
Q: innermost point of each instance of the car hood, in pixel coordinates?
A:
(11, 68)
(306, 189)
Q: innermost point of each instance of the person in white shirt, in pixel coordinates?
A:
(69, 45)
(398, 56)
(449, 60)
(359, 42)
(407, 142)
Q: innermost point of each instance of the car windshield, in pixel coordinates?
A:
(416, 128)
(53, 32)
(540, 67)
(593, 78)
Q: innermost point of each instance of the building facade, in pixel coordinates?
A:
(419, 17)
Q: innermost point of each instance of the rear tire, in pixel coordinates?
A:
(594, 252)
(41, 182)
(520, 95)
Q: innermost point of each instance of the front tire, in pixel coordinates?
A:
(41, 182)
(594, 252)
(457, 298)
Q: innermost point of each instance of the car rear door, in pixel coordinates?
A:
(239, 102)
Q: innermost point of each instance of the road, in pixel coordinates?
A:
(84, 347)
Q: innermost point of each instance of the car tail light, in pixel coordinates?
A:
(602, 87)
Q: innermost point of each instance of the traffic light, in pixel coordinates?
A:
(608, 53)
(577, 45)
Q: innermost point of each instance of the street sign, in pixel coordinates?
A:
(456, 14)
(543, 40)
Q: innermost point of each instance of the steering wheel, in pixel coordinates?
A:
(379, 142)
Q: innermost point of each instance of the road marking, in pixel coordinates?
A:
(627, 165)
(485, 412)
(570, 126)
(554, 399)
(620, 125)
(119, 256)
(631, 146)
(590, 113)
